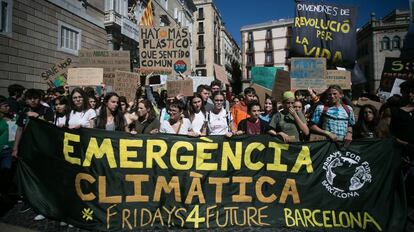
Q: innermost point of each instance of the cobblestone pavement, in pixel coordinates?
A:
(25, 220)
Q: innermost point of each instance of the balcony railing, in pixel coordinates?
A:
(112, 18)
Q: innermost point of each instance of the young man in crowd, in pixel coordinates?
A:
(33, 108)
(5, 148)
(239, 111)
(14, 100)
(334, 119)
(205, 91)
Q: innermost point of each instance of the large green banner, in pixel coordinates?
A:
(115, 181)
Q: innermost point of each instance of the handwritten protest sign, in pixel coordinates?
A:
(325, 30)
(126, 84)
(308, 72)
(180, 87)
(338, 77)
(401, 68)
(201, 80)
(85, 76)
(56, 75)
(164, 50)
(110, 61)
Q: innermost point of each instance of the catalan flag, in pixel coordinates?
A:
(147, 19)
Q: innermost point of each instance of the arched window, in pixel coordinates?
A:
(385, 43)
(396, 42)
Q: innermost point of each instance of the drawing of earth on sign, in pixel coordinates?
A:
(180, 66)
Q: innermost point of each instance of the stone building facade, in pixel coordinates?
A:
(41, 33)
(378, 39)
(265, 44)
(210, 39)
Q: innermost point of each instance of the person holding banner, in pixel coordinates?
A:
(334, 119)
(219, 120)
(253, 125)
(197, 115)
(367, 124)
(62, 110)
(176, 124)
(402, 127)
(33, 109)
(110, 116)
(288, 123)
(80, 115)
(147, 122)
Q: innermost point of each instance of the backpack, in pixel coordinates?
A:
(325, 110)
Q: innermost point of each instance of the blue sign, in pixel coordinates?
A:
(180, 66)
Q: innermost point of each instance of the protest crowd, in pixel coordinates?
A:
(301, 116)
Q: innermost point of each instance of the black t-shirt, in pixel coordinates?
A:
(44, 112)
(402, 124)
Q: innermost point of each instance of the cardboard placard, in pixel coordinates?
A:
(164, 50)
(180, 87)
(220, 74)
(364, 101)
(281, 84)
(338, 77)
(396, 87)
(308, 72)
(57, 74)
(264, 76)
(261, 93)
(201, 80)
(109, 60)
(85, 76)
(126, 84)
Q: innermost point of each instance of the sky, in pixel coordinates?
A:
(238, 13)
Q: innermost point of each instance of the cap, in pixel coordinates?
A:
(287, 95)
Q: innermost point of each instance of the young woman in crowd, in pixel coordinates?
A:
(366, 126)
(110, 116)
(288, 123)
(128, 111)
(80, 114)
(253, 125)
(176, 123)
(197, 115)
(93, 103)
(298, 106)
(62, 110)
(236, 100)
(269, 109)
(147, 122)
(219, 121)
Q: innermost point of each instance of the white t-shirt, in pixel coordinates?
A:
(198, 122)
(166, 127)
(60, 121)
(81, 118)
(218, 124)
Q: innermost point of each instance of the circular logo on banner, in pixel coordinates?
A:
(346, 174)
(180, 66)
